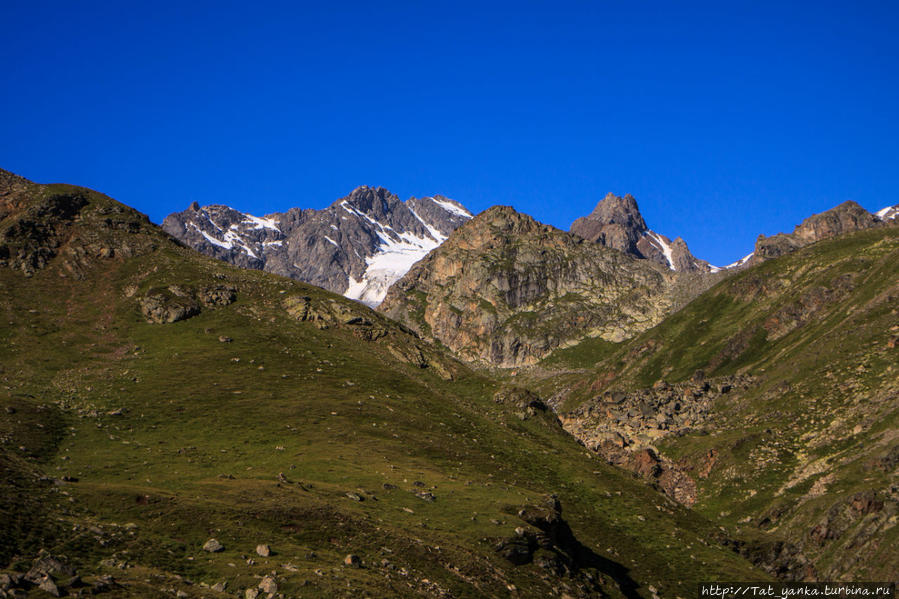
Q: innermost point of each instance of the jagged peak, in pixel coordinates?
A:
(616, 210)
(370, 200)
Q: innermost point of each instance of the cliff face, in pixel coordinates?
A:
(506, 290)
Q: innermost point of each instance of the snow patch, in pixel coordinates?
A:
(888, 213)
(334, 243)
(213, 240)
(452, 207)
(392, 260)
(230, 241)
(261, 223)
(666, 249)
(739, 262)
(434, 232)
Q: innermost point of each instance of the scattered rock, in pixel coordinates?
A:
(224, 339)
(426, 495)
(48, 586)
(250, 594)
(268, 585)
(263, 550)
(47, 565)
(352, 560)
(354, 496)
(213, 546)
(217, 296)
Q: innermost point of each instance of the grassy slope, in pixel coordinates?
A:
(815, 328)
(205, 427)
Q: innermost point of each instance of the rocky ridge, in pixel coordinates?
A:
(358, 246)
(845, 218)
(507, 290)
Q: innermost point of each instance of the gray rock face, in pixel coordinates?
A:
(358, 246)
(617, 223)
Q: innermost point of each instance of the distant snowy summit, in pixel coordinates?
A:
(363, 243)
(358, 246)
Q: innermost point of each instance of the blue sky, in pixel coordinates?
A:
(723, 119)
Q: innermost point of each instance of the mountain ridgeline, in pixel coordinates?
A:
(357, 247)
(770, 403)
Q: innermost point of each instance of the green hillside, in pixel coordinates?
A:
(776, 392)
(153, 399)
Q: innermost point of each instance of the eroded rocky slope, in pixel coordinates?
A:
(506, 290)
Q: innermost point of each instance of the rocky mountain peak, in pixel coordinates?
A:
(614, 210)
(374, 201)
(846, 217)
(358, 246)
(616, 222)
(506, 290)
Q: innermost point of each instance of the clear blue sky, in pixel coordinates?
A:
(724, 119)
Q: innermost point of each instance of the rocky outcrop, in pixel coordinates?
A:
(40, 224)
(548, 543)
(165, 305)
(506, 290)
(358, 246)
(616, 222)
(624, 426)
(331, 313)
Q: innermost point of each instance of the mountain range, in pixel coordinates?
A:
(529, 412)
(358, 246)
(361, 244)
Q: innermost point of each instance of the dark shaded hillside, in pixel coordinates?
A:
(154, 399)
